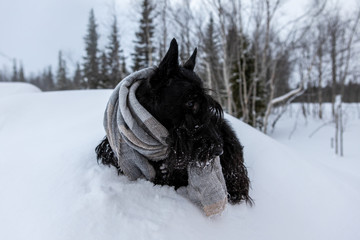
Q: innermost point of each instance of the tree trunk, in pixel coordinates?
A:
(320, 53)
(271, 103)
(208, 73)
(341, 131)
(333, 54)
(225, 65)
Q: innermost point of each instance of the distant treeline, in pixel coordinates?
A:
(311, 94)
(98, 68)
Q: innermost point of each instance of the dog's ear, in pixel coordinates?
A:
(167, 67)
(190, 63)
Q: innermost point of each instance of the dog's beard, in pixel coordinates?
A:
(195, 145)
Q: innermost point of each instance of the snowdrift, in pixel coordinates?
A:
(11, 88)
(51, 186)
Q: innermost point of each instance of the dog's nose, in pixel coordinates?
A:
(218, 151)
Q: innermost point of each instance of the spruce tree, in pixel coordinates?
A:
(15, 77)
(283, 71)
(3, 78)
(21, 74)
(123, 66)
(104, 80)
(144, 44)
(48, 80)
(62, 82)
(77, 77)
(35, 80)
(43, 80)
(113, 56)
(91, 61)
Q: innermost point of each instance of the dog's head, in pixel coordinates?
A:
(178, 97)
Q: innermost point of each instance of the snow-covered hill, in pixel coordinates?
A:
(11, 88)
(51, 186)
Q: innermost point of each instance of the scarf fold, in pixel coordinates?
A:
(133, 133)
(136, 138)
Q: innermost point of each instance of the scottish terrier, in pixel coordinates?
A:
(176, 97)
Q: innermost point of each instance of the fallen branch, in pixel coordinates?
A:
(317, 129)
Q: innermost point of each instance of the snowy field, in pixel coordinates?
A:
(314, 138)
(51, 186)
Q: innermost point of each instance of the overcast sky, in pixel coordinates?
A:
(33, 31)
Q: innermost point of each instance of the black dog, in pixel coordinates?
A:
(175, 96)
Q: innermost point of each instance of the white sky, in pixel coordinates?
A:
(33, 31)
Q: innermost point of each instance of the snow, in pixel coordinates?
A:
(312, 137)
(10, 88)
(51, 186)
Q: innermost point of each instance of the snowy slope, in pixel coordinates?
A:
(11, 88)
(52, 188)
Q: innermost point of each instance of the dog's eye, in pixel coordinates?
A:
(189, 104)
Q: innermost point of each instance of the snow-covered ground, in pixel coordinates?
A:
(51, 186)
(313, 138)
(10, 88)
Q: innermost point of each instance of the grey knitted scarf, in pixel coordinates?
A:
(136, 138)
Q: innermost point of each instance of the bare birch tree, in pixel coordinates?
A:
(164, 8)
(339, 129)
(296, 31)
(320, 54)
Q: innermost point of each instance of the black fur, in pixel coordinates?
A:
(175, 96)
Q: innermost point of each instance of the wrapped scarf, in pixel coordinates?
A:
(136, 138)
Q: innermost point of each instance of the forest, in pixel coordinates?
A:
(251, 59)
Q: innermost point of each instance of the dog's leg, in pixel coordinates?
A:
(105, 154)
(234, 170)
